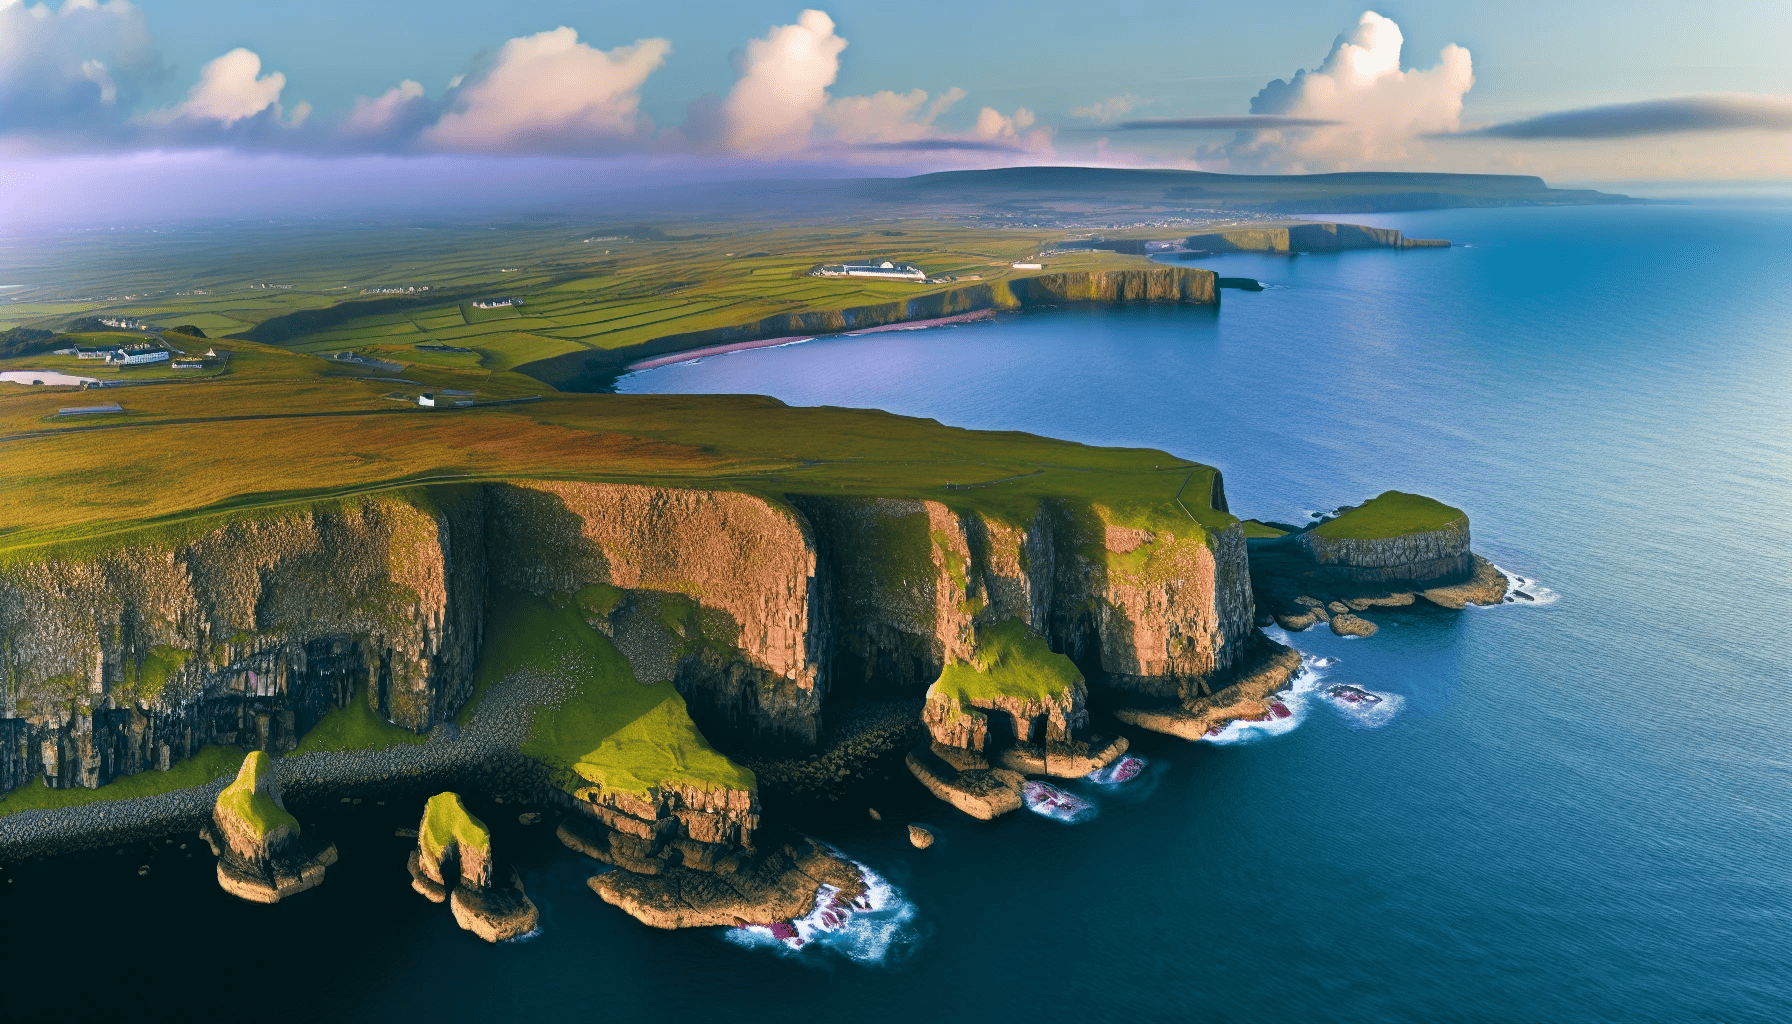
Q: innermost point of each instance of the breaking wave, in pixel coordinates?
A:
(1522, 590)
(873, 929)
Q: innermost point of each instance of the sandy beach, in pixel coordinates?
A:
(742, 346)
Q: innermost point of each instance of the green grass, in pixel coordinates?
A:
(160, 663)
(598, 600)
(610, 731)
(257, 810)
(445, 820)
(1255, 529)
(355, 727)
(210, 764)
(1011, 661)
(1392, 514)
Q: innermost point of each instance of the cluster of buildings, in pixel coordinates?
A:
(411, 289)
(138, 354)
(496, 303)
(886, 270)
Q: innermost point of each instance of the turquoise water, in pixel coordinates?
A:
(1579, 811)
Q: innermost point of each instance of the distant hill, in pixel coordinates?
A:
(1355, 192)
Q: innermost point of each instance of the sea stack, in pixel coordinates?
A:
(453, 862)
(1390, 551)
(1016, 708)
(262, 855)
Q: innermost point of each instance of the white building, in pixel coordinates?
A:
(426, 400)
(495, 303)
(1028, 266)
(142, 357)
(884, 269)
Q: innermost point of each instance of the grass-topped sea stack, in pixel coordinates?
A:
(453, 862)
(262, 854)
(1388, 551)
(1015, 707)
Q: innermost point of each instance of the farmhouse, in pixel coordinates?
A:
(884, 269)
(495, 303)
(135, 356)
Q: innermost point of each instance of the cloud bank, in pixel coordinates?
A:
(1653, 117)
(80, 66)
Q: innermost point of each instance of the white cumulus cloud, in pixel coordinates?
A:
(231, 88)
(1382, 110)
(783, 86)
(82, 64)
(885, 116)
(551, 93)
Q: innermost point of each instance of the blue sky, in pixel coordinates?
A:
(96, 91)
(1177, 57)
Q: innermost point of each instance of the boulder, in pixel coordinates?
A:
(1351, 625)
(981, 792)
(919, 837)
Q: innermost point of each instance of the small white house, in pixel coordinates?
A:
(426, 400)
(1029, 266)
(159, 355)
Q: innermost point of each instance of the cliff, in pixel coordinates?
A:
(120, 657)
(131, 654)
(1179, 285)
(1324, 237)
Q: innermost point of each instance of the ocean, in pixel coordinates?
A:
(1576, 808)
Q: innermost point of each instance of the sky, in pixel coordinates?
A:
(95, 94)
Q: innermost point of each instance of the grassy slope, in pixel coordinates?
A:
(257, 810)
(1012, 661)
(355, 727)
(1392, 514)
(208, 765)
(446, 819)
(610, 730)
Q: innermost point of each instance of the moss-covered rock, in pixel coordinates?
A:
(454, 863)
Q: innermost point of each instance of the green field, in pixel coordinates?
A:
(1392, 514)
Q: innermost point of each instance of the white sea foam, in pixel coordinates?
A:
(1295, 699)
(872, 929)
(526, 936)
(1522, 590)
(1367, 716)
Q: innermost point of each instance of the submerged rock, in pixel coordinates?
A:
(453, 862)
(262, 855)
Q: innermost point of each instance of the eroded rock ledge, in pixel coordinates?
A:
(454, 862)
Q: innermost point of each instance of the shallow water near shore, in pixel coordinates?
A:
(1582, 810)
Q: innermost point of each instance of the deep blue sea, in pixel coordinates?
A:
(1576, 811)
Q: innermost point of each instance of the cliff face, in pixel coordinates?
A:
(1307, 238)
(136, 656)
(1184, 285)
(1414, 557)
(751, 661)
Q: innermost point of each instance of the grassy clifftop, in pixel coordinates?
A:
(1012, 662)
(1391, 514)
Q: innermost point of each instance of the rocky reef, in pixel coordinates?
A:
(262, 854)
(454, 862)
(1388, 552)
